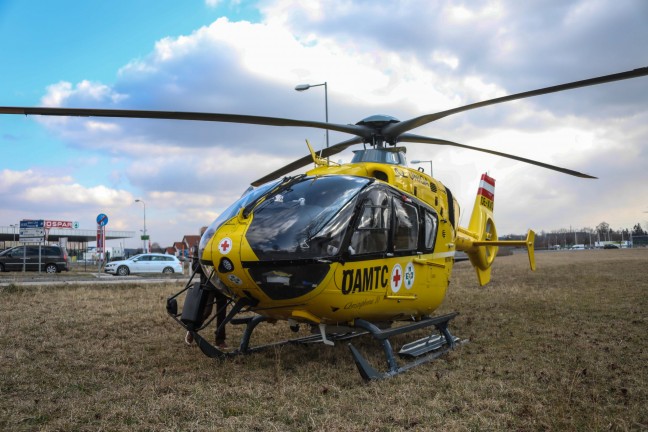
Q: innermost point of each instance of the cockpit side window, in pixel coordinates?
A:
(405, 226)
(430, 222)
(387, 222)
(371, 233)
(379, 156)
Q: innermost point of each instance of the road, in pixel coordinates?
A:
(85, 278)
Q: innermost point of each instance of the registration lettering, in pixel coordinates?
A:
(364, 279)
(487, 203)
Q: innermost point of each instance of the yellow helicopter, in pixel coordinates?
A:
(351, 249)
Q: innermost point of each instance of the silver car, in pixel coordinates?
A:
(145, 263)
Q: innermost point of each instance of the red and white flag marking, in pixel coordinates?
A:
(487, 187)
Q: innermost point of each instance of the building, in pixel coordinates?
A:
(75, 240)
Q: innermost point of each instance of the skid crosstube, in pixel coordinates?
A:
(422, 350)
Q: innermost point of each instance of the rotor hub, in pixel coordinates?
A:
(377, 123)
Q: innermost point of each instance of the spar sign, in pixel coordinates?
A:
(61, 224)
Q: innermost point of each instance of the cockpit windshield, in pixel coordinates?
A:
(248, 196)
(309, 217)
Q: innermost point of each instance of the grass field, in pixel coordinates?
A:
(562, 348)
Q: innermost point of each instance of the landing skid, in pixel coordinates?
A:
(416, 353)
(421, 351)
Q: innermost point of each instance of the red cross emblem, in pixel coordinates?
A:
(225, 245)
(396, 278)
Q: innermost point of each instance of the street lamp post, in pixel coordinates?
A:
(14, 234)
(424, 161)
(303, 87)
(144, 236)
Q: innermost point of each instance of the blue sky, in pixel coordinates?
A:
(399, 58)
(46, 42)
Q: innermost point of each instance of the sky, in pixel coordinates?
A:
(400, 58)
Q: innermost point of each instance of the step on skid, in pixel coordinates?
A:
(420, 351)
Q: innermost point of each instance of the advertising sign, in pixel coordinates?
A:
(59, 224)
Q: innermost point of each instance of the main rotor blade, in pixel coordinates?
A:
(359, 130)
(427, 140)
(302, 162)
(395, 129)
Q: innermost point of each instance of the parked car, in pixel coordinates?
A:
(53, 259)
(145, 263)
(610, 246)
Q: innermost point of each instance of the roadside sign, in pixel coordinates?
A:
(102, 219)
(100, 239)
(32, 235)
(32, 223)
(32, 232)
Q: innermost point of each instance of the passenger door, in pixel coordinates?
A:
(157, 264)
(143, 264)
(425, 266)
(33, 263)
(14, 260)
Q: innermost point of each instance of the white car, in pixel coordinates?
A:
(145, 263)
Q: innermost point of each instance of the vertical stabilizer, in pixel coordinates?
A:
(481, 228)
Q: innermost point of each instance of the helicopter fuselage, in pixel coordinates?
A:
(364, 239)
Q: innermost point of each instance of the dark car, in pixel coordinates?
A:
(610, 246)
(54, 259)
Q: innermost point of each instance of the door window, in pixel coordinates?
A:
(405, 226)
(373, 224)
(430, 230)
(32, 251)
(18, 252)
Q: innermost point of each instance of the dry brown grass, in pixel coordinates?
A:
(563, 348)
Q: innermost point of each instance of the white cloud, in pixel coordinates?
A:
(35, 188)
(97, 126)
(72, 194)
(85, 91)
